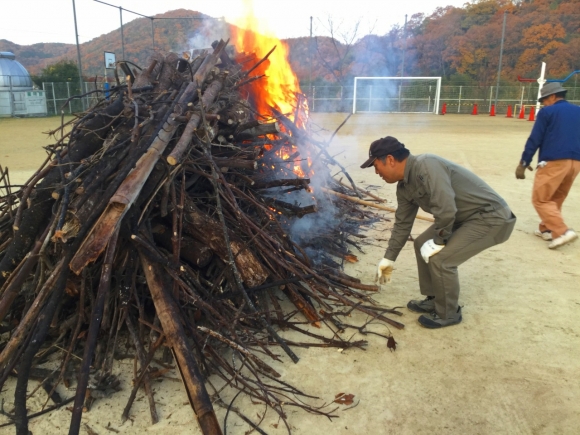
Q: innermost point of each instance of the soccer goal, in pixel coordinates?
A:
(396, 95)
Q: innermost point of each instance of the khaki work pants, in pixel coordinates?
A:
(439, 277)
(551, 186)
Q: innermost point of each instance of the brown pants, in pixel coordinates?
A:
(551, 186)
(439, 277)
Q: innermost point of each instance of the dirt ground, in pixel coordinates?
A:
(511, 366)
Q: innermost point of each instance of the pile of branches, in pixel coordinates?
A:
(163, 216)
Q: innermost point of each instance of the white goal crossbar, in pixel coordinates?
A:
(427, 102)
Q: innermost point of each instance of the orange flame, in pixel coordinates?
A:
(280, 86)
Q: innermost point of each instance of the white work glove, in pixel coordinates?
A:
(429, 249)
(384, 271)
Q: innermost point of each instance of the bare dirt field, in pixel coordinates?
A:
(511, 367)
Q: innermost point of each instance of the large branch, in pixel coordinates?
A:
(171, 322)
(208, 231)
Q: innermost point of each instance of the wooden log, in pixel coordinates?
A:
(305, 308)
(226, 61)
(208, 63)
(291, 208)
(191, 250)
(372, 204)
(208, 98)
(171, 322)
(209, 232)
(208, 117)
(279, 183)
(353, 284)
(169, 77)
(234, 114)
(148, 75)
(260, 130)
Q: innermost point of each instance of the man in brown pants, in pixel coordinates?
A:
(557, 134)
(469, 218)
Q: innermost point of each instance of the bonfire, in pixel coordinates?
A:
(191, 215)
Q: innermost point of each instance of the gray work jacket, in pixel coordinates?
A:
(440, 187)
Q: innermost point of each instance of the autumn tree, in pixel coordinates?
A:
(336, 53)
(62, 71)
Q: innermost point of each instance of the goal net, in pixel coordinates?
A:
(396, 94)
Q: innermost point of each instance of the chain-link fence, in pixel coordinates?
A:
(458, 98)
(59, 96)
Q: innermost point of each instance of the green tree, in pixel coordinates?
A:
(62, 71)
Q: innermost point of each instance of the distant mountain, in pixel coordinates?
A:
(169, 34)
(37, 56)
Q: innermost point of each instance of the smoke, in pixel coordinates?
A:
(211, 30)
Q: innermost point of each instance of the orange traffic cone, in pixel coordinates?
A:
(474, 112)
(444, 109)
(522, 113)
(509, 112)
(532, 114)
(492, 111)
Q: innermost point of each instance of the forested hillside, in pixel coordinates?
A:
(456, 43)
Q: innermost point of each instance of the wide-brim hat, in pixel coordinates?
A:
(382, 147)
(550, 89)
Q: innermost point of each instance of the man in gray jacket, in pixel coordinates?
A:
(469, 218)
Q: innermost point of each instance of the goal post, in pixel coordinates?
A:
(396, 95)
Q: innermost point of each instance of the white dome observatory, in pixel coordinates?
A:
(17, 96)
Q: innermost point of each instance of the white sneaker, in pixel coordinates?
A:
(546, 235)
(567, 237)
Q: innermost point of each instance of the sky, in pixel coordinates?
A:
(27, 22)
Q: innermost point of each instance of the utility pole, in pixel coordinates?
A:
(153, 34)
(500, 56)
(404, 47)
(78, 55)
(310, 56)
(122, 38)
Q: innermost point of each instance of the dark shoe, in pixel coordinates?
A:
(433, 321)
(427, 305)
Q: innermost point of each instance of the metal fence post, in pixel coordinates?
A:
(313, 98)
(11, 96)
(490, 97)
(68, 96)
(459, 103)
(53, 98)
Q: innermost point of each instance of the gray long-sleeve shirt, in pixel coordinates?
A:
(440, 187)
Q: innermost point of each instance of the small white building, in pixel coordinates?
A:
(17, 95)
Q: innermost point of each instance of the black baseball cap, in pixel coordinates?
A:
(382, 147)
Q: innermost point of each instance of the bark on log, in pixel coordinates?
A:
(209, 232)
(191, 250)
(260, 130)
(171, 322)
(279, 183)
(207, 99)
